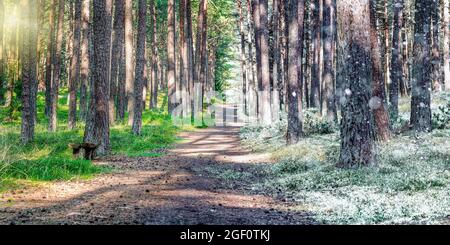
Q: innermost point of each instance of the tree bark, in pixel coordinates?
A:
(315, 67)
(97, 125)
(329, 104)
(117, 47)
(378, 102)
(257, 40)
(2, 62)
(140, 67)
(49, 62)
(436, 77)
(191, 55)
(154, 58)
(171, 56)
(84, 66)
(354, 43)
(446, 44)
(421, 78)
(56, 69)
(294, 94)
(265, 112)
(397, 59)
(28, 57)
(129, 59)
(75, 66)
(243, 57)
(184, 61)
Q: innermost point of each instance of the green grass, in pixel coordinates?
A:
(48, 157)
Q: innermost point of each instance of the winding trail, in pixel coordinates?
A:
(171, 189)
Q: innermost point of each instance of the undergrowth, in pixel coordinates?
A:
(410, 184)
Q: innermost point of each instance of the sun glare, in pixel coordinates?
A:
(11, 19)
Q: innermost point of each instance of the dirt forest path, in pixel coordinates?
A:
(152, 191)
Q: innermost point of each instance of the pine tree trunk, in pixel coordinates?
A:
(243, 57)
(200, 61)
(129, 81)
(97, 125)
(56, 69)
(184, 60)
(68, 40)
(116, 59)
(75, 66)
(2, 62)
(446, 44)
(265, 112)
(140, 67)
(49, 61)
(257, 40)
(203, 59)
(328, 105)
(121, 86)
(421, 78)
(294, 94)
(354, 42)
(154, 58)
(437, 84)
(171, 56)
(252, 88)
(191, 55)
(378, 102)
(315, 67)
(397, 61)
(84, 56)
(28, 57)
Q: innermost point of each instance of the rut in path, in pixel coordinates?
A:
(163, 190)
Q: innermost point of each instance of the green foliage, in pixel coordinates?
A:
(315, 124)
(441, 117)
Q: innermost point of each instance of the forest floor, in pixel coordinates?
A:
(174, 188)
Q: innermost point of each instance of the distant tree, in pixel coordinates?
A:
(329, 29)
(140, 66)
(56, 60)
(50, 55)
(256, 23)
(129, 89)
(184, 58)
(421, 78)
(154, 57)
(243, 55)
(265, 107)
(117, 87)
(2, 62)
(97, 125)
(171, 76)
(446, 44)
(75, 66)
(315, 68)
(354, 42)
(397, 61)
(436, 76)
(84, 57)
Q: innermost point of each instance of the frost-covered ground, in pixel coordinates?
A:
(411, 183)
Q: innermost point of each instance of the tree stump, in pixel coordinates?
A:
(89, 150)
(76, 148)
